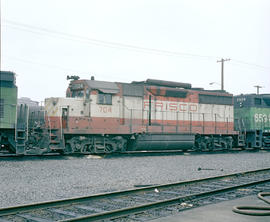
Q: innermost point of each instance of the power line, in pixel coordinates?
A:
(45, 65)
(71, 37)
(71, 70)
(250, 64)
(38, 30)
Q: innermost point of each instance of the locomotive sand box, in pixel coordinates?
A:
(105, 117)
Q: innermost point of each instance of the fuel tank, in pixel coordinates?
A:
(159, 141)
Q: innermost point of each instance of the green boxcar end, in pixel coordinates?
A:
(8, 98)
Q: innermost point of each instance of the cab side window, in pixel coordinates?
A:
(258, 101)
(104, 99)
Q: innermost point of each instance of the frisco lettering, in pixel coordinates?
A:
(171, 106)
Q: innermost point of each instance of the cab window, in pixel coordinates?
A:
(104, 99)
(258, 101)
(77, 93)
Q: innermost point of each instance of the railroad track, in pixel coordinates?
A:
(144, 153)
(142, 204)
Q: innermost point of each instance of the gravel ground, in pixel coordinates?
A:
(33, 179)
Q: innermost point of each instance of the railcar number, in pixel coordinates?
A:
(105, 109)
(261, 118)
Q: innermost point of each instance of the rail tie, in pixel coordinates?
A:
(181, 195)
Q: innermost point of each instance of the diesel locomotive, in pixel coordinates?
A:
(105, 117)
(8, 107)
(252, 119)
(19, 123)
(100, 117)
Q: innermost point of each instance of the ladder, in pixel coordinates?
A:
(21, 131)
(242, 132)
(20, 141)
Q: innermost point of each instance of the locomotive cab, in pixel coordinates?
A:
(79, 118)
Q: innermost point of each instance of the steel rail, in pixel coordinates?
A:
(39, 205)
(136, 209)
(66, 202)
(146, 152)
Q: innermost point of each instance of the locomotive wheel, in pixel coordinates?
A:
(109, 148)
(84, 148)
(68, 148)
(230, 145)
(224, 145)
(201, 146)
(210, 146)
(229, 142)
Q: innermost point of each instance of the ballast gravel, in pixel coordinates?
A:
(27, 180)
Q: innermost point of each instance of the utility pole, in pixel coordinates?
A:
(222, 71)
(258, 89)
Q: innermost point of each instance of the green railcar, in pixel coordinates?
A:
(12, 117)
(19, 122)
(8, 100)
(252, 119)
(8, 111)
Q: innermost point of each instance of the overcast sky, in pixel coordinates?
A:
(43, 41)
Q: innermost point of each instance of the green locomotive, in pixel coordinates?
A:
(252, 119)
(12, 118)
